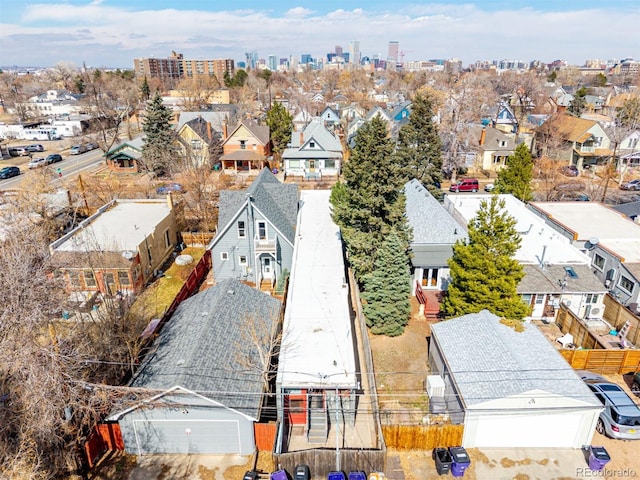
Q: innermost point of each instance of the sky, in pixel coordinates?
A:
(111, 33)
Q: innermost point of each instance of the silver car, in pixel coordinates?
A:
(621, 415)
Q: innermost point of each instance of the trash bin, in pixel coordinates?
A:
(357, 475)
(279, 475)
(459, 461)
(302, 472)
(336, 476)
(443, 460)
(598, 458)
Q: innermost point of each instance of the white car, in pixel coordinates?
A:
(489, 187)
(37, 163)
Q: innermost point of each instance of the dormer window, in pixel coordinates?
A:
(312, 144)
(243, 144)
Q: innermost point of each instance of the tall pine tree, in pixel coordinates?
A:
(387, 289)
(280, 124)
(484, 273)
(517, 175)
(419, 149)
(159, 148)
(368, 203)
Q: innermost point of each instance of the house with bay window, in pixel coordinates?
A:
(314, 152)
(256, 230)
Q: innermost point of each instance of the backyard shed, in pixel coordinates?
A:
(510, 388)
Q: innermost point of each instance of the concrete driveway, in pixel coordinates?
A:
(185, 467)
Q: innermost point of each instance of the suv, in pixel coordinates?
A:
(621, 415)
(18, 151)
(8, 172)
(78, 149)
(54, 158)
(36, 147)
(465, 185)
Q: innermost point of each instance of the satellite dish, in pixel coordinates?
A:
(128, 254)
(594, 241)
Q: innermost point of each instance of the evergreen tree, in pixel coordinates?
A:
(517, 175)
(280, 124)
(145, 90)
(369, 203)
(159, 147)
(387, 289)
(419, 149)
(578, 105)
(484, 273)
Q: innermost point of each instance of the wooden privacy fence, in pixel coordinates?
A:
(321, 461)
(604, 361)
(105, 436)
(265, 435)
(582, 336)
(197, 239)
(422, 437)
(616, 314)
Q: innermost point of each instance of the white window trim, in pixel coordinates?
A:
(244, 229)
(224, 256)
(593, 263)
(622, 288)
(240, 262)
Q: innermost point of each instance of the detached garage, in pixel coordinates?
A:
(509, 388)
(205, 377)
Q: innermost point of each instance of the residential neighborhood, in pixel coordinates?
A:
(342, 266)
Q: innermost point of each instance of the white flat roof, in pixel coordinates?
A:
(594, 220)
(317, 340)
(124, 226)
(534, 232)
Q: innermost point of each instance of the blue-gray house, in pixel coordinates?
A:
(256, 231)
(200, 390)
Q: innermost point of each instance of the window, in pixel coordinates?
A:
(243, 144)
(294, 163)
(526, 298)
(539, 299)
(167, 239)
(598, 262)
(243, 260)
(329, 164)
(592, 298)
(196, 144)
(625, 284)
(123, 277)
(312, 144)
(262, 231)
(242, 232)
(633, 142)
(89, 278)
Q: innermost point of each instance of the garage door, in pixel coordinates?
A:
(190, 436)
(527, 430)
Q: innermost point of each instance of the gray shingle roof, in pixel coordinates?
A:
(490, 361)
(430, 222)
(216, 119)
(277, 201)
(205, 347)
(537, 280)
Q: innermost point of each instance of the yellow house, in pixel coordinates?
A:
(200, 142)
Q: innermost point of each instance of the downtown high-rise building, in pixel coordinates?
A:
(354, 52)
(394, 51)
(272, 63)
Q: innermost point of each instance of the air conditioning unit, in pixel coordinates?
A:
(435, 386)
(596, 310)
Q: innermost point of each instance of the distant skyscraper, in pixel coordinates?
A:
(354, 52)
(394, 50)
(272, 65)
(338, 51)
(306, 58)
(252, 59)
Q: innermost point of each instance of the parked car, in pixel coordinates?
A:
(36, 147)
(77, 149)
(169, 187)
(302, 472)
(569, 170)
(465, 185)
(8, 172)
(91, 146)
(635, 384)
(37, 162)
(18, 151)
(621, 415)
(54, 158)
(489, 187)
(632, 185)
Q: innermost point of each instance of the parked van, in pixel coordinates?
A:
(465, 185)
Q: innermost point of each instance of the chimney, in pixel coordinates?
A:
(209, 137)
(224, 130)
(301, 138)
(483, 134)
(170, 201)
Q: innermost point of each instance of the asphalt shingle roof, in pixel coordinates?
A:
(207, 346)
(490, 361)
(430, 222)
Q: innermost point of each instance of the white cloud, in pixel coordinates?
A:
(104, 35)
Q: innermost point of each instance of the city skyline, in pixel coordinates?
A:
(111, 33)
